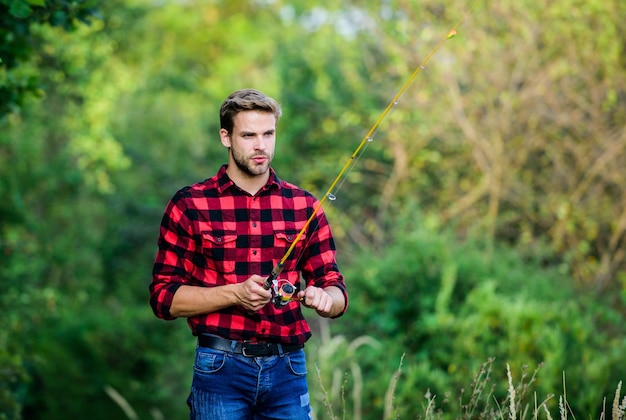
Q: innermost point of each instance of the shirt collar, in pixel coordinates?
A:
(224, 182)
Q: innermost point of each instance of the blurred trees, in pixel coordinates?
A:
(546, 128)
(474, 226)
(20, 46)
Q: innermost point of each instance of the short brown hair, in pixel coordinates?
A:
(246, 100)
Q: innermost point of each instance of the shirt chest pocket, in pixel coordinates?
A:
(283, 240)
(220, 250)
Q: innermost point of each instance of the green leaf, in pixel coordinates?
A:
(41, 3)
(19, 9)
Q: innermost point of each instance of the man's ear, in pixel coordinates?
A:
(225, 137)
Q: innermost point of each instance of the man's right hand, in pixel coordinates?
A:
(251, 295)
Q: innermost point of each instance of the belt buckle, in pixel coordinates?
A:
(244, 347)
(258, 349)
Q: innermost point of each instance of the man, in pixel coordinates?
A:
(219, 240)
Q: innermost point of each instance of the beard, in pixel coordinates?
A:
(247, 165)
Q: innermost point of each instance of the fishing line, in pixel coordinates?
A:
(331, 193)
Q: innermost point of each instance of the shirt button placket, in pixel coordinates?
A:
(255, 230)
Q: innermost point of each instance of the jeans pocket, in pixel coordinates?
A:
(297, 363)
(209, 361)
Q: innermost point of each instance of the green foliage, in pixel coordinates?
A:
(18, 77)
(447, 306)
(86, 353)
(477, 226)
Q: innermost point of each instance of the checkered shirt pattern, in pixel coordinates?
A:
(213, 233)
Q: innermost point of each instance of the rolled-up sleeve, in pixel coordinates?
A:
(173, 261)
(320, 267)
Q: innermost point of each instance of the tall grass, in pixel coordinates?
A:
(521, 402)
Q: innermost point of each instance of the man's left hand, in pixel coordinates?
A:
(327, 302)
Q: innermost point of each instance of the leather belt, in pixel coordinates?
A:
(246, 348)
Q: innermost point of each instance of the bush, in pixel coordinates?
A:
(446, 307)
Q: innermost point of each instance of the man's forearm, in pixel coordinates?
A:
(195, 300)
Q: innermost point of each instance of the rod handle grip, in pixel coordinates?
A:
(273, 276)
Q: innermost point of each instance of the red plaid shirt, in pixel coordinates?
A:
(214, 233)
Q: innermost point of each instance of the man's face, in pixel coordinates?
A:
(252, 142)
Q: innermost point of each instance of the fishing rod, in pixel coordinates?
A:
(282, 293)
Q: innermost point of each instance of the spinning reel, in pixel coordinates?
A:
(283, 292)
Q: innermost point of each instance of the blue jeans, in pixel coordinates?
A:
(229, 386)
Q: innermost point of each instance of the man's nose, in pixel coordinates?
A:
(259, 143)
